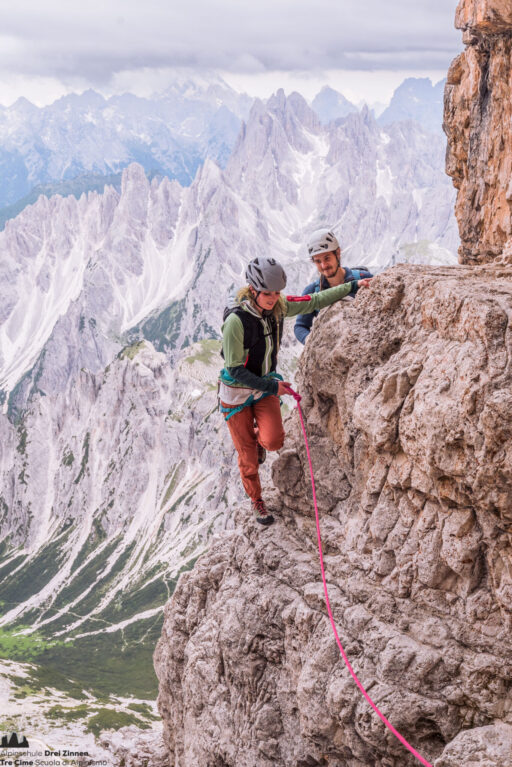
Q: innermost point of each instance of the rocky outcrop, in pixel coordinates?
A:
(483, 746)
(478, 124)
(132, 747)
(406, 395)
(484, 16)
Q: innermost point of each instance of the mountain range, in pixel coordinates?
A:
(169, 134)
(82, 142)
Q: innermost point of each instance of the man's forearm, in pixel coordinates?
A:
(301, 332)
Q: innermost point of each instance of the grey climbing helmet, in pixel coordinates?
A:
(265, 274)
(322, 241)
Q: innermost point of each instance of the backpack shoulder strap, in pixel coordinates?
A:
(231, 309)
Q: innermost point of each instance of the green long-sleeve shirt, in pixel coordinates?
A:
(235, 354)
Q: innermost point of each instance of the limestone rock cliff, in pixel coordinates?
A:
(478, 124)
(408, 404)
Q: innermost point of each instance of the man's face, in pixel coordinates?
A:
(326, 263)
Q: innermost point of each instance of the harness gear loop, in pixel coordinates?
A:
(388, 724)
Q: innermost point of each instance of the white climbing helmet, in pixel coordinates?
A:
(322, 241)
(265, 274)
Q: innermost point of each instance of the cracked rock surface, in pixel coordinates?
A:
(478, 124)
(133, 747)
(406, 396)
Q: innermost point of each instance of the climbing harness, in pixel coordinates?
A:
(231, 411)
(388, 724)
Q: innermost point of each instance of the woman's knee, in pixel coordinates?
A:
(272, 441)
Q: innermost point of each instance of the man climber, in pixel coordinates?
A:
(324, 251)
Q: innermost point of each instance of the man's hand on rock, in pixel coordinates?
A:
(364, 283)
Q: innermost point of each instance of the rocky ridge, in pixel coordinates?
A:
(406, 393)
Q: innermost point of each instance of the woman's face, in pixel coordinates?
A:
(267, 299)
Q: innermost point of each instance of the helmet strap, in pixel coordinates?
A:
(264, 312)
(255, 296)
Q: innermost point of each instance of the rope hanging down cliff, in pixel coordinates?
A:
(388, 724)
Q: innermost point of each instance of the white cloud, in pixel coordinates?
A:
(39, 90)
(95, 40)
(53, 47)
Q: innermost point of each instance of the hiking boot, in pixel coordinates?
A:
(263, 516)
(262, 454)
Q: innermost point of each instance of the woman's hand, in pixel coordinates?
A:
(364, 283)
(283, 388)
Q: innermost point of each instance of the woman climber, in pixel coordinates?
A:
(249, 386)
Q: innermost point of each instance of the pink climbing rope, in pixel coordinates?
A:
(388, 724)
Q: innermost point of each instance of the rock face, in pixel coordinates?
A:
(481, 746)
(406, 395)
(484, 16)
(477, 121)
(132, 747)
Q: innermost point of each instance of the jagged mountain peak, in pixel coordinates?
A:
(134, 177)
(418, 99)
(292, 106)
(330, 105)
(274, 129)
(87, 99)
(209, 174)
(258, 109)
(192, 83)
(277, 102)
(23, 107)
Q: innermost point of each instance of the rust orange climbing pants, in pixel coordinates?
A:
(267, 414)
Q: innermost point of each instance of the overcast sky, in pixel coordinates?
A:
(49, 47)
